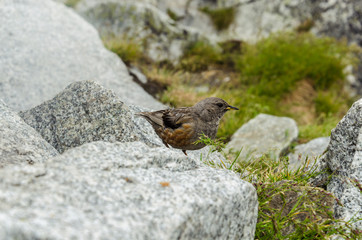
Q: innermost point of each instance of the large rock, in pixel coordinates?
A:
(45, 46)
(83, 112)
(343, 163)
(259, 18)
(264, 134)
(308, 151)
(19, 143)
(125, 190)
(160, 37)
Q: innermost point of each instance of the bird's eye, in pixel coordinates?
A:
(219, 104)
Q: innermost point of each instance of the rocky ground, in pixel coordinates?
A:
(75, 162)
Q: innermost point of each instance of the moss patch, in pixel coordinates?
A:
(221, 17)
(127, 49)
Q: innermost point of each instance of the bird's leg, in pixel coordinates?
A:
(184, 151)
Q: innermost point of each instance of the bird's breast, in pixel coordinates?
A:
(183, 137)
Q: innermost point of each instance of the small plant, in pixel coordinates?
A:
(172, 15)
(71, 3)
(221, 18)
(305, 26)
(218, 145)
(215, 144)
(199, 56)
(127, 49)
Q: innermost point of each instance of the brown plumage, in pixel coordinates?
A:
(182, 127)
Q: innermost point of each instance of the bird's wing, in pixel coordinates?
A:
(174, 118)
(155, 118)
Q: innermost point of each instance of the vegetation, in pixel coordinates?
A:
(71, 3)
(172, 15)
(289, 208)
(274, 65)
(221, 17)
(127, 49)
(199, 56)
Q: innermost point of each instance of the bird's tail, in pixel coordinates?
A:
(151, 117)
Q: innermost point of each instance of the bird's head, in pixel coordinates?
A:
(213, 108)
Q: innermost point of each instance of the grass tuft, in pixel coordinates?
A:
(221, 18)
(127, 49)
(172, 15)
(71, 3)
(199, 56)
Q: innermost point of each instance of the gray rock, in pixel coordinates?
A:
(339, 19)
(264, 134)
(45, 46)
(19, 143)
(259, 18)
(188, 14)
(125, 190)
(308, 151)
(343, 163)
(160, 37)
(83, 112)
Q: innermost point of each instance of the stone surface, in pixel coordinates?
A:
(45, 46)
(264, 134)
(19, 143)
(118, 190)
(308, 151)
(259, 18)
(343, 163)
(160, 37)
(83, 112)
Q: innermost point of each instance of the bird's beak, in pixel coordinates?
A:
(231, 108)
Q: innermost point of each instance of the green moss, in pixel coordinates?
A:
(221, 18)
(305, 26)
(172, 15)
(71, 3)
(127, 49)
(274, 65)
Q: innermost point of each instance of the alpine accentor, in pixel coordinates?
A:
(182, 127)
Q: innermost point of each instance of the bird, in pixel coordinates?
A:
(182, 127)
